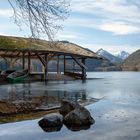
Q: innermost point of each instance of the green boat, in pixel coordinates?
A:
(17, 76)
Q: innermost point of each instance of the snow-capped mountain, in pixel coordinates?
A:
(123, 55)
(109, 56)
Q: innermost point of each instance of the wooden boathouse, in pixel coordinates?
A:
(45, 51)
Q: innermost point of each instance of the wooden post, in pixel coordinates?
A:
(58, 65)
(46, 67)
(83, 69)
(29, 62)
(64, 64)
(23, 60)
(73, 66)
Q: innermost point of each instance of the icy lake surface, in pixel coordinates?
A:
(116, 114)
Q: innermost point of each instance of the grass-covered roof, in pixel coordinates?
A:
(9, 43)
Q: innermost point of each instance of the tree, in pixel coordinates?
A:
(42, 16)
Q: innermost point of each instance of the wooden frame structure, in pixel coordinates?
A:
(45, 53)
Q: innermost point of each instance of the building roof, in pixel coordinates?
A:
(15, 45)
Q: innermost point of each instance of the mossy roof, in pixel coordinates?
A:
(10, 43)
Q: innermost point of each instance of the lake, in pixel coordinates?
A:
(116, 112)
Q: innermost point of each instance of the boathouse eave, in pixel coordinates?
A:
(12, 53)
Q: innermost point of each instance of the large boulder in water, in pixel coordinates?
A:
(51, 122)
(66, 107)
(79, 118)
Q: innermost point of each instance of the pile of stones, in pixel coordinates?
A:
(74, 116)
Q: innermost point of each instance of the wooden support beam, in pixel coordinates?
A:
(18, 53)
(23, 60)
(64, 64)
(41, 59)
(10, 54)
(29, 62)
(58, 69)
(81, 64)
(46, 67)
(83, 70)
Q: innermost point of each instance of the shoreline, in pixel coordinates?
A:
(23, 116)
(14, 114)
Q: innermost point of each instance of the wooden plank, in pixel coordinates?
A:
(75, 75)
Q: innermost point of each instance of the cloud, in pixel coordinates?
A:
(107, 7)
(115, 27)
(69, 35)
(117, 16)
(6, 13)
(119, 28)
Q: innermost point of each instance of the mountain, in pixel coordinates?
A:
(122, 55)
(109, 56)
(132, 63)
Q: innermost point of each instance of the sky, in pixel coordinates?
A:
(113, 25)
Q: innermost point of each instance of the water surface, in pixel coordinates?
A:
(116, 114)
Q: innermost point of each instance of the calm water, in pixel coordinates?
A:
(117, 114)
(112, 85)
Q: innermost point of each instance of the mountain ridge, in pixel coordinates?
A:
(109, 56)
(122, 55)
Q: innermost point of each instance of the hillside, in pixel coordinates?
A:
(132, 63)
(101, 65)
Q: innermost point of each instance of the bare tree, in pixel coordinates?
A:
(42, 16)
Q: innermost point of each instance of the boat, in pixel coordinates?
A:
(17, 76)
(5, 73)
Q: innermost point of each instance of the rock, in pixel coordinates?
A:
(51, 122)
(78, 118)
(66, 107)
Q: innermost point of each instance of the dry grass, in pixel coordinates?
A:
(19, 43)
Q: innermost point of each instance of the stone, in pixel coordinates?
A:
(66, 107)
(78, 118)
(51, 122)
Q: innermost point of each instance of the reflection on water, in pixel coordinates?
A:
(119, 86)
(39, 94)
(78, 128)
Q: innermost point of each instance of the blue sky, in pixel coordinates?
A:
(113, 25)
